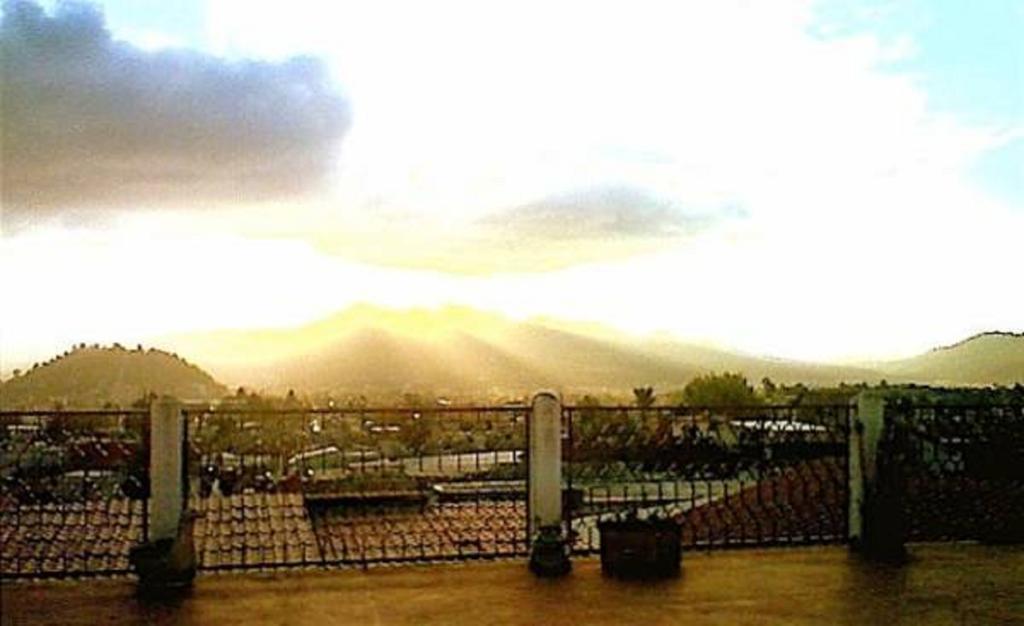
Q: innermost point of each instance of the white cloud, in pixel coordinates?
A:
(462, 109)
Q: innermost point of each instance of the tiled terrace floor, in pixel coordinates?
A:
(943, 584)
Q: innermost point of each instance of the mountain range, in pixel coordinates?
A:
(462, 352)
(458, 349)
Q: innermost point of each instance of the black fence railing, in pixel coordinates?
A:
(73, 491)
(731, 476)
(292, 487)
(958, 470)
(300, 487)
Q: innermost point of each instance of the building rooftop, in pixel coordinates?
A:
(942, 584)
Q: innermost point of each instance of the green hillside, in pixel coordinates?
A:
(985, 359)
(91, 377)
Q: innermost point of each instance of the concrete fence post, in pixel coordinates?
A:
(166, 467)
(865, 434)
(549, 554)
(545, 457)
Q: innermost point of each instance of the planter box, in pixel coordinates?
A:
(640, 548)
(398, 498)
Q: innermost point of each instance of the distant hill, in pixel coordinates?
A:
(757, 368)
(457, 349)
(91, 377)
(984, 359)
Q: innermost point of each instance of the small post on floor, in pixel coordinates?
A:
(874, 528)
(549, 555)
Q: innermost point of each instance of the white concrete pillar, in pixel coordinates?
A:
(865, 435)
(545, 458)
(166, 467)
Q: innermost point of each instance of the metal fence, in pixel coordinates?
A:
(319, 487)
(297, 487)
(302, 487)
(957, 470)
(730, 476)
(73, 491)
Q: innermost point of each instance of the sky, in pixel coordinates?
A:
(812, 180)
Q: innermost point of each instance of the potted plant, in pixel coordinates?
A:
(640, 547)
(169, 562)
(549, 553)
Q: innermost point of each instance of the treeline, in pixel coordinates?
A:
(733, 389)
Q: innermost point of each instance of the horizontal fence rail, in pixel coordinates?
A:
(74, 488)
(302, 487)
(958, 470)
(734, 476)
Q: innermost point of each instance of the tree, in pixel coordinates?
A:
(644, 397)
(725, 389)
(589, 401)
(587, 424)
(419, 433)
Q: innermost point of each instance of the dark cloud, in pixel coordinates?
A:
(603, 213)
(90, 123)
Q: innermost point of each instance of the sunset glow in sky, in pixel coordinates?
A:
(812, 180)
